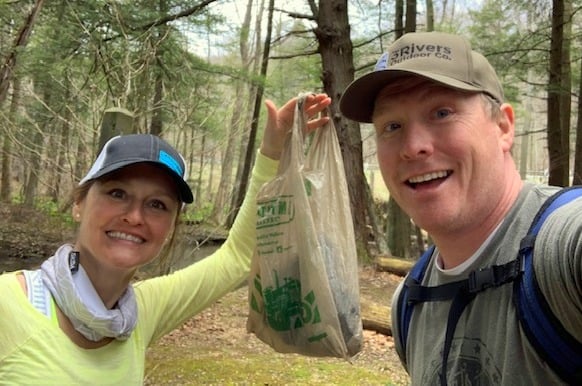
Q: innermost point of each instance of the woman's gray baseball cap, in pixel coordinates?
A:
(441, 57)
(125, 150)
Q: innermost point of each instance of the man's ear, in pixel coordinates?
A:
(506, 123)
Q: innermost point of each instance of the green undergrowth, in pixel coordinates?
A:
(173, 366)
(214, 348)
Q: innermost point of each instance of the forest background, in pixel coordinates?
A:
(196, 73)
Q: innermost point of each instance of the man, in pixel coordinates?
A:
(444, 138)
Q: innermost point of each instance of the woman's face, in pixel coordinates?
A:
(126, 218)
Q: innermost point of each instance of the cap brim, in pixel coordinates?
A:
(357, 101)
(184, 191)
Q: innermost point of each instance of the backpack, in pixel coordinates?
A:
(561, 351)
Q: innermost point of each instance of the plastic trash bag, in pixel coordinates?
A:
(303, 286)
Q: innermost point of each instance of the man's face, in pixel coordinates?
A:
(441, 154)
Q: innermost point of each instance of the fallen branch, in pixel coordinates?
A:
(376, 317)
(393, 265)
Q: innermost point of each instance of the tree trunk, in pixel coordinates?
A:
(379, 240)
(225, 185)
(335, 47)
(20, 42)
(157, 122)
(399, 19)
(398, 230)
(200, 169)
(429, 16)
(34, 170)
(577, 180)
(566, 89)
(236, 124)
(156, 125)
(250, 150)
(6, 182)
(558, 160)
(410, 24)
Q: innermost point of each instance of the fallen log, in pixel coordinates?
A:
(393, 265)
(376, 317)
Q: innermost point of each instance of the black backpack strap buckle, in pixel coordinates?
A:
(494, 276)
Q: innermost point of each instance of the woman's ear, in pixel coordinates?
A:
(76, 212)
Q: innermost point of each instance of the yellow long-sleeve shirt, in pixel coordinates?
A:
(35, 351)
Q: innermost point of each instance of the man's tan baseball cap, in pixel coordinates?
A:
(441, 57)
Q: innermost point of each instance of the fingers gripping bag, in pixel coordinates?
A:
(303, 286)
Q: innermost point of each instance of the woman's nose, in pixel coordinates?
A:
(134, 214)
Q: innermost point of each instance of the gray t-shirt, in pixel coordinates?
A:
(489, 346)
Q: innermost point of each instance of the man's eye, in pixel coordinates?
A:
(391, 126)
(442, 113)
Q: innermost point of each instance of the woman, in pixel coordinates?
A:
(78, 320)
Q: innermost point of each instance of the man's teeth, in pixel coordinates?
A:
(427, 177)
(125, 236)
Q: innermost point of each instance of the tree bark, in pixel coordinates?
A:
(429, 16)
(410, 23)
(250, 151)
(399, 230)
(558, 160)
(577, 180)
(21, 41)
(335, 47)
(236, 124)
(6, 188)
(399, 19)
(566, 89)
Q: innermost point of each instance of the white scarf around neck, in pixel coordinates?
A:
(78, 300)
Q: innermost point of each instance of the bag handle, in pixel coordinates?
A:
(293, 154)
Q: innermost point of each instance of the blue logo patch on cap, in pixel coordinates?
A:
(382, 63)
(170, 162)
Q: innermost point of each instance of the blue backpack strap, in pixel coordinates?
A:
(405, 307)
(553, 343)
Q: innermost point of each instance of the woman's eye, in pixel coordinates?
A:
(117, 193)
(157, 204)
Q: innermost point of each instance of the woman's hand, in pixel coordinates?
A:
(279, 122)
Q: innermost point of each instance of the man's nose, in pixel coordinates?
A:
(417, 141)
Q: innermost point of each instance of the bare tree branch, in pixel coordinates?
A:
(20, 41)
(166, 19)
(296, 15)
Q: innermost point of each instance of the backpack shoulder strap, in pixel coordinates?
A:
(405, 307)
(546, 333)
(552, 342)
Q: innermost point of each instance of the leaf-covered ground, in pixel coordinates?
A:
(214, 347)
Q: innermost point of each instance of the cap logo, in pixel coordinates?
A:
(170, 162)
(382, 63)
(413, 51)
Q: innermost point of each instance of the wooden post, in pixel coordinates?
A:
(116, 121)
